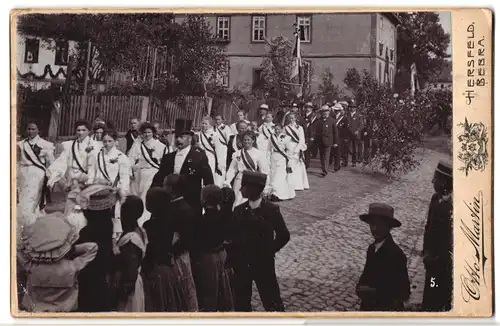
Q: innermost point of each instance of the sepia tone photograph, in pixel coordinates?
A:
(237, 162)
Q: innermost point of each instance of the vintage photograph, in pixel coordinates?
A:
(235, 162)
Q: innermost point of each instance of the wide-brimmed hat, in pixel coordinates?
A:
(324, 108)
(445, 168)
(309, 104)
(97, 197)
(382, 210)
(49, 239)
(338, 107)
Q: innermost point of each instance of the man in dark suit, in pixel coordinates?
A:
(438, 242)
(132, 133)
(191, 162)
(326, 136)
(370, 143)
(384, 284)
(309, 118)
(257, 233)
(236, 141)
(356, 126)
(337, 152)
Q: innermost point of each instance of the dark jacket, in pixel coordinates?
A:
(386, 271)
(308, 125)
(438, 235)
(355, 123)
(257, 234)
(326, 133)
(184, 219)
(130, 140)
(210, 231)
(342, 126)
(195, 169)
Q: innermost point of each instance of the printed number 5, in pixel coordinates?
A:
(433, 283)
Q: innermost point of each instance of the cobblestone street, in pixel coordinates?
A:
(319, 268)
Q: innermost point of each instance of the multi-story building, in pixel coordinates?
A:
(335, 41)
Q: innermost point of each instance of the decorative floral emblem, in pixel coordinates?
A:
(113, 160)
(473, 151)
(238, 158)
(191, 171)
(36, 149)
(190, 160)
(282, 136)
(89, 149)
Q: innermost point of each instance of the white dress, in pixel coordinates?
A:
(235, 170)
(281, 182)
(266, 130)
(234, 129)
(112, 167)
(210, 143)
(299, 174)
(31, 169)
(224, 134)
(145, 158)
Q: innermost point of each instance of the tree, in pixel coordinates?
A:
(352, 79)
(423, 41)
(327, 89)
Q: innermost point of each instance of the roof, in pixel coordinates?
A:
(392, 17)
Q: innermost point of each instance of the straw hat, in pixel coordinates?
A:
(49, 239)
(97, 197)
(445, 169)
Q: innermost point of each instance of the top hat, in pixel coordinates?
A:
(183, 127)
(254, 178)
(445, 168)
(382, 210)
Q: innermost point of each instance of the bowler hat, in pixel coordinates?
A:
(382, 210)
(445, 168)
(254, 178)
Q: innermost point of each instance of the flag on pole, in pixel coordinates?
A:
(296, 53)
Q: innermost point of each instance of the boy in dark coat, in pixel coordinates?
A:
(384, 284)
(438, 242)
(258, 232)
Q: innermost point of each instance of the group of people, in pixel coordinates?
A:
(178, 227)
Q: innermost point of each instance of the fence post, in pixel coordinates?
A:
(55, 113)
(144, 108)
(209, 101)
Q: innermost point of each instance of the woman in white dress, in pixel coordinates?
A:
(208, 140)
(224, 133)
(73, 163)
(266, 130)
(34, 156)
(145, 157)
(248, 158)
(112, 168)
(281, 183)
(296, 133)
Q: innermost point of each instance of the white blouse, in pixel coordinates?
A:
(106, 166)
(237, 165)
(300, 140)
(142, 154)
(26, 152)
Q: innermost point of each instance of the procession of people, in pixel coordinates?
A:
(180, 225)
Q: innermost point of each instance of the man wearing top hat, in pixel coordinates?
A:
(325, 135)
(384, 284)
(189, 161)
(438, 242)
(356, 126)
(257, 233)
(309, 118)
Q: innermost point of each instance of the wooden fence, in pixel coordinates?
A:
(166, 112)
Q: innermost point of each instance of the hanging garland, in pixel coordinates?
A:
(46, 71)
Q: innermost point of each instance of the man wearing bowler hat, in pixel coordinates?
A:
(257, 233)
(189, 161)
(384, 283)
(438, 242)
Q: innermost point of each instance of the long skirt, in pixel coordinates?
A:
(183, 263)
(144, 178)
(218, 179)
(238, 200)
(299, 173)
(281, 182)
(212, 282)
(30, 183)
(163, 290)
(135, 302)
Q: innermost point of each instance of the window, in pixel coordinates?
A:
(304, 23)
(223, 76)
(380, 48)
(61, 53)
(31, 49)
(392, 54)
(258, 28)
(223, 28)
(380, 72)
(257, 81)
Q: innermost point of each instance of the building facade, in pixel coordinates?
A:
(335, 41)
